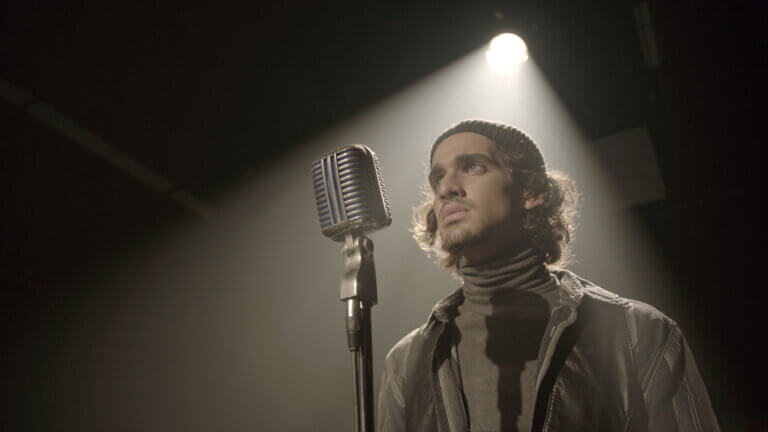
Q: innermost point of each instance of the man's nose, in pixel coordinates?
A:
(451, 186)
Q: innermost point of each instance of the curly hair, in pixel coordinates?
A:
(549, 226)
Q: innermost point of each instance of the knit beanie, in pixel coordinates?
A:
(504, 135)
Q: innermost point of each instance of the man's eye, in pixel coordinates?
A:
(474, 167)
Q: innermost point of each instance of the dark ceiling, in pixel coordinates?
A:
(203, 93)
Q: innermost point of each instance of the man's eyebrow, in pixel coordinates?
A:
(464, 157)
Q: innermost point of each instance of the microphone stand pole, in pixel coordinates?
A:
(358, 291)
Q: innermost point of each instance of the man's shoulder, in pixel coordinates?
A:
(643, 325)
(397, 358)
(420, 341)
(406, 342)
(636, 310)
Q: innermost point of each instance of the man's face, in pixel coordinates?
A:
(477, 205)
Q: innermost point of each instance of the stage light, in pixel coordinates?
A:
(506, 53)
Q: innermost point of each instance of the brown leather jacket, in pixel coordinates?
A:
(605, 364)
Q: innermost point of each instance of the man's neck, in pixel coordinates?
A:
(508, 283)
(486, 254)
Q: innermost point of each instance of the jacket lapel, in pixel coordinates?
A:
(563, 316)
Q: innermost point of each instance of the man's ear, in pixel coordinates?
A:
(533, 202)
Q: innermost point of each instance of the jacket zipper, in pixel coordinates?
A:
(548, 416)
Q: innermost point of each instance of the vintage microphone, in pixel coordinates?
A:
(351, 202)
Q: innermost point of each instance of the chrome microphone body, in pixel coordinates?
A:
(349, 192)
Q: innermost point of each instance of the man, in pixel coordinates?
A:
(522, 346)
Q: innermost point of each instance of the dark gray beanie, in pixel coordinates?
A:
(504, 135)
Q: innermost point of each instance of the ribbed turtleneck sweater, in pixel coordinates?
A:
(500, 326)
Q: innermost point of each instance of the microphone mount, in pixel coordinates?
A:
(359, 278)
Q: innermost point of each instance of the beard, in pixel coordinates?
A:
(456, 238)
(479, 237)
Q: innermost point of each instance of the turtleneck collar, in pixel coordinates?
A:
(507, 283)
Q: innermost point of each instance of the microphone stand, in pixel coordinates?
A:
(358, 291)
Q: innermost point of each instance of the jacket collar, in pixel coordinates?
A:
(571, 293)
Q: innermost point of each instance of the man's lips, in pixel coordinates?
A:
(453, 212)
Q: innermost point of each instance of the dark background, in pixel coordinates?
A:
(209, 94)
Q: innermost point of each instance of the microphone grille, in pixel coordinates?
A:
(349, 192)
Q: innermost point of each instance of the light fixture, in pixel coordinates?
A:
(506, 53)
